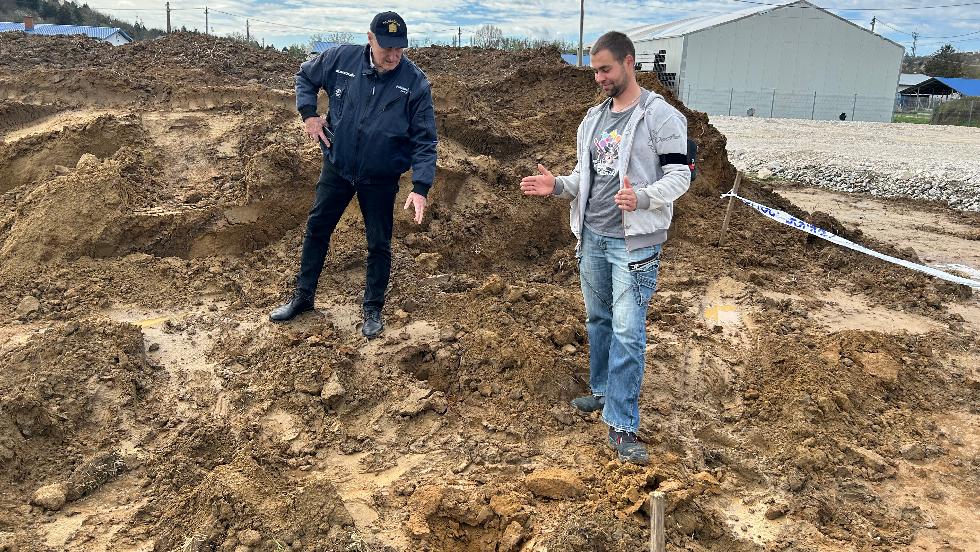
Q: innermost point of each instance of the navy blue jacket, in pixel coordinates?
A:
(382, 124)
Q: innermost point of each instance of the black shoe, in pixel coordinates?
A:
(628, 447)
(588, 403)
(298, 304)
(373, 324)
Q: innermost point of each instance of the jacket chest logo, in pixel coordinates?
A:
(338, 92)
(402, 89)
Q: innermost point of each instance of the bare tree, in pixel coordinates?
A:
(334, 37)
(488, 36)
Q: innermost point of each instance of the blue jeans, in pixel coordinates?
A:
(617, 285)
(377, 201)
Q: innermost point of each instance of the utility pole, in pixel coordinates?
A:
(206, 31)
(873, 21)
(248, 34)
(459, 37)
(581, 29)
(915, 39)
(168, 17)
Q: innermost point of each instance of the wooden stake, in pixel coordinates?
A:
(657, 504)
(728, 212)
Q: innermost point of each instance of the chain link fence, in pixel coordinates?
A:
(960, 112)
(790, 105)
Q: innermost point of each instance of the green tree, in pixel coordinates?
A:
(946, 62)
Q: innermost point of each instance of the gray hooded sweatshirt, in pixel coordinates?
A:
(653, 155)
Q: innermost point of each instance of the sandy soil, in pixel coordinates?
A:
(797, 396)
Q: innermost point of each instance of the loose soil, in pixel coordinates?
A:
(797, 396)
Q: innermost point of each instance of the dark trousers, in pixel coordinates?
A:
(333, 194)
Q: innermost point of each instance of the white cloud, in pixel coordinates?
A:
(290, 21)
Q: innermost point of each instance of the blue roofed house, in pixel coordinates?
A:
(112, 35)
(943, 86)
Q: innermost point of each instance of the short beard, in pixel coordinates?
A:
(616, 90)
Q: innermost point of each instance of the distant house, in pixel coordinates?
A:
(942, 86)
(112, 35)
(906, 80)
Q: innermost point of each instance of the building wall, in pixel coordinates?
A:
(794, 62)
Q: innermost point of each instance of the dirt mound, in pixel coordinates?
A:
(194, 57)
(67, 396)
(243, 504)
(13, 114)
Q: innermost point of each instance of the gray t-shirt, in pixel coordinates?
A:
(602, 215)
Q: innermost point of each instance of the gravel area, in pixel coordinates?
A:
(884, 159)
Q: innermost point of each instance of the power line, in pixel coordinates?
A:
(896, 29)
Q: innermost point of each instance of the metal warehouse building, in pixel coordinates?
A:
(791, 60)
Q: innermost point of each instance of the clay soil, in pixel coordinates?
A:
(797, 396)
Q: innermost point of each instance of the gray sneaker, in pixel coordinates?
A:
(628, 447)
(588, 403)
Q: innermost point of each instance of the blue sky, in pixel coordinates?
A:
(287, 22)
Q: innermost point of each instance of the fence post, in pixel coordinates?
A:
(731, 97)
(658, 504)
(854, 106)
(814, 109)
(728, 211)
(773, 104)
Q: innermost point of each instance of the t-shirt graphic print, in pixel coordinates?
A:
(605, 161)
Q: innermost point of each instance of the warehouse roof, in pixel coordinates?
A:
(101, 33)
(695, 24)
(912, 79)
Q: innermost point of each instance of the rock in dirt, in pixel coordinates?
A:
(870, 459)
(777, 511)
(27, 306)
(421, 399)
(50, 497)
(511, 540)
(912, 451)
(555, 483)
(423, 504)
(333, 392)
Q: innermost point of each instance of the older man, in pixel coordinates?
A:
(379, 124)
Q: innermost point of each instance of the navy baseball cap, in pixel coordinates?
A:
(390, 30)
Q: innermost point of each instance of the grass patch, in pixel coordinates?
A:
(918, 118)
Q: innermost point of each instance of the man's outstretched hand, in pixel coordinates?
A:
(542, 184)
